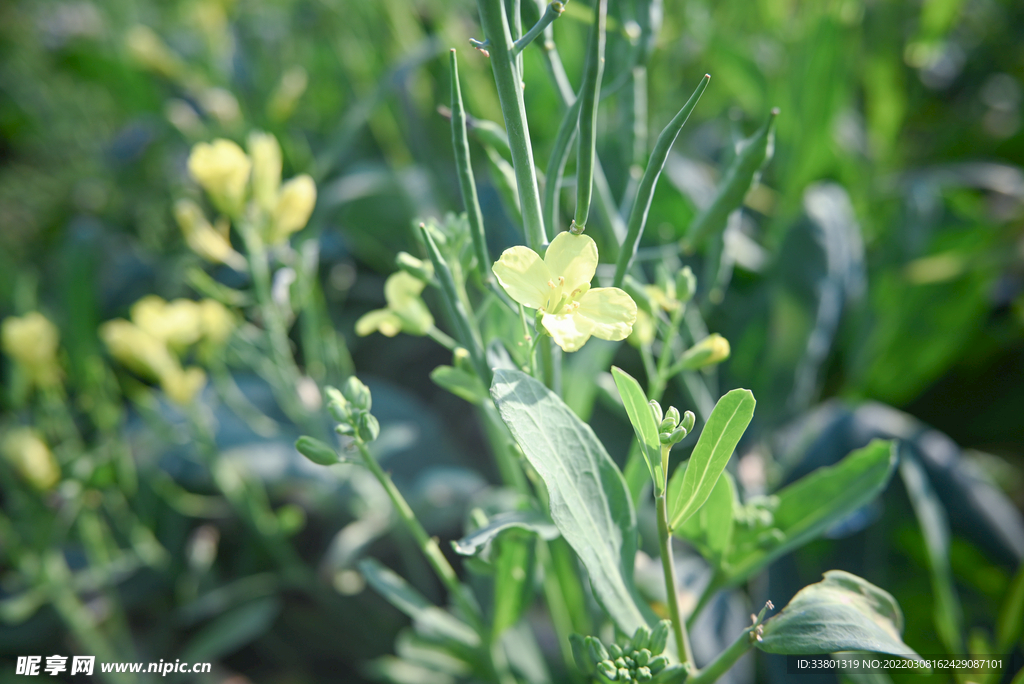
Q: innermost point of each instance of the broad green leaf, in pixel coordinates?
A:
(427, 618)
(533, 521)
(718, 439)
(931, 515)
(841, 613)
(233, 629)
(640, 416)
(710, 529)
(460, 383)
(808, 507)
(587, 495)
(513, 578)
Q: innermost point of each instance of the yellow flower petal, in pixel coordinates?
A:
(379, 320)
(524, 276)
(573, 257)
(294, 207)
(610, 311)
(570, 331)
(222, 168)
(182, 386)
(265, 153)
(400, 287)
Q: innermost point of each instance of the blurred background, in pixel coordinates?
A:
(877, 289)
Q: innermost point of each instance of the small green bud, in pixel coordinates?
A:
(643, 656)
(656, 411)
(643, 674)
(686, 284)
(345, 429)
(462, 361)
(657, 664)
(596, 649)
(665, 437)
(624, 675)
(659, 637)
(677, 436)
(620, 661)
(338, 405)
(711, 350)
(641, 637)
(615, 651)
(688, 421)
(357, 393)
(577, 642)
(671, 417)
(608, 669)
(417, 268)
(368, 427)
(316, 451)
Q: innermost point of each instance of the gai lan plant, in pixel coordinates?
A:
(568, 528)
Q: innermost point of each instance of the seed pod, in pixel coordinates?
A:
(614, 651)
(596, 649)
(656, 411)
(657, 664)
(643, 674)
(642, 657)
(688, 421)
(316, 451)
(659, 637)
(641, 638)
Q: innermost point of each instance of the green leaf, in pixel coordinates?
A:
(931, 515)
(533, 521)
(427, 618)
(233, 629)
(710, 529)
(808, 507)
(718, 439)
(587, 495)
(460, 383)
(841, 613)
(639, 412)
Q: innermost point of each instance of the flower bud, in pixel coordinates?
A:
(656, 411)
(417, 268)
(462, 361)
(368, 428)
(688, 421)
(608, 669)
(657, 664)
(222, 169)
(641, 637)
(217, 321)
(178, 323)
(596, 649)
(203, 239)
(711, 350)
(31, 458)
(294, 207)
(624, 675)
(643, 656)
(643, 674)
(686, 284)
(614, 651)
(338, 405)
(665, 437)
(182, 386)
(266, 169)
(32, 340)
(659, 637)
(357, 393)
(316, 451)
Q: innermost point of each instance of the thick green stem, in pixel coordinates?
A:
(428, 545)
(510, 92)
(668, 566)
(725, 660)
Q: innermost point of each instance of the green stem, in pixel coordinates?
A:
(725, 660)
(513, 107)
(645, 193)
(590, 93)
(467, 183)
(441, 338)
(668, 566)
(553, 11)
(664, 373)
(428, 545)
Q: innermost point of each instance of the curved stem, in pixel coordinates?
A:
(668, 566)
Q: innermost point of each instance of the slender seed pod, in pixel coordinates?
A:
(467, 183)
(590, 94)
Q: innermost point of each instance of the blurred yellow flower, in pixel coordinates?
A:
(559, 286)
(266, 169)
(222, 169)
(178, 323)
(405, 311)
(139, 351)
(32, 341)
(208, 242)
(711, 350)
(294, 206)
(183, 386)
(30, 456)
(150, 52)
(217, 321)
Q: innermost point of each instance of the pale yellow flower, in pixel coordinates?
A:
(265, 153)
(294, 206)
(32, 341)
(405, 312)
(202, 238)
(222, 168)
(183, 386)
(30, 456)
(559, 286)
(711, 350)
(143, 353)
(217, 321)
(178, 323)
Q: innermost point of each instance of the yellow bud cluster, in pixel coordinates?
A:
(31, 458)
(32, 341)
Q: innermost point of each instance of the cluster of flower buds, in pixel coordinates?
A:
(671, 428)
(638, 660)
(351, 408)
